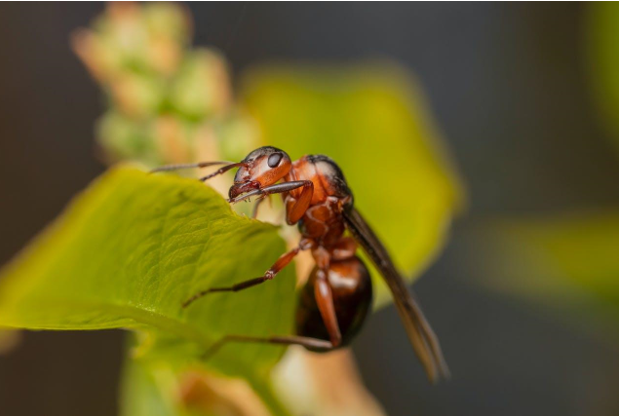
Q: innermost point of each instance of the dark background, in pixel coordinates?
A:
(508, 86)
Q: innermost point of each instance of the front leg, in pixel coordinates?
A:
(296, 207)
(274, 189)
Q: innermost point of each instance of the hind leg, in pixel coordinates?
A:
(307, 342)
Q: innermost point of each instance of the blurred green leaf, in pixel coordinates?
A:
(566, 261)
(131, 248)
(373, 122)
(157, 387)
(603, 53)
(148, 390)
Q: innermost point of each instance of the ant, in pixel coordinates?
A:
(337, 297)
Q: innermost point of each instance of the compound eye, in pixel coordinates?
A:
(274, 160)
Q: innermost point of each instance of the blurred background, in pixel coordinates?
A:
(511, 90)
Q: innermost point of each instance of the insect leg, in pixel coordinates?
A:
(229, 165)
(222, 170)
(259, 201)
(313, 343)
(273, 189)
(169, 168)
(296, 207)
(282, 262)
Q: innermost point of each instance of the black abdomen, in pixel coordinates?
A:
(352, 296)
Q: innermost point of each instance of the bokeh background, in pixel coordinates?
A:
(510, 89)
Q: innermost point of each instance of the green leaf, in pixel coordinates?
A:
(602, 43)
(148, 390)
(131, 248)
(568, 260)
(155, 388)
(373, 122)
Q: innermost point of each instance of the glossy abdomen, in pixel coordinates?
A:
(352, 295)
